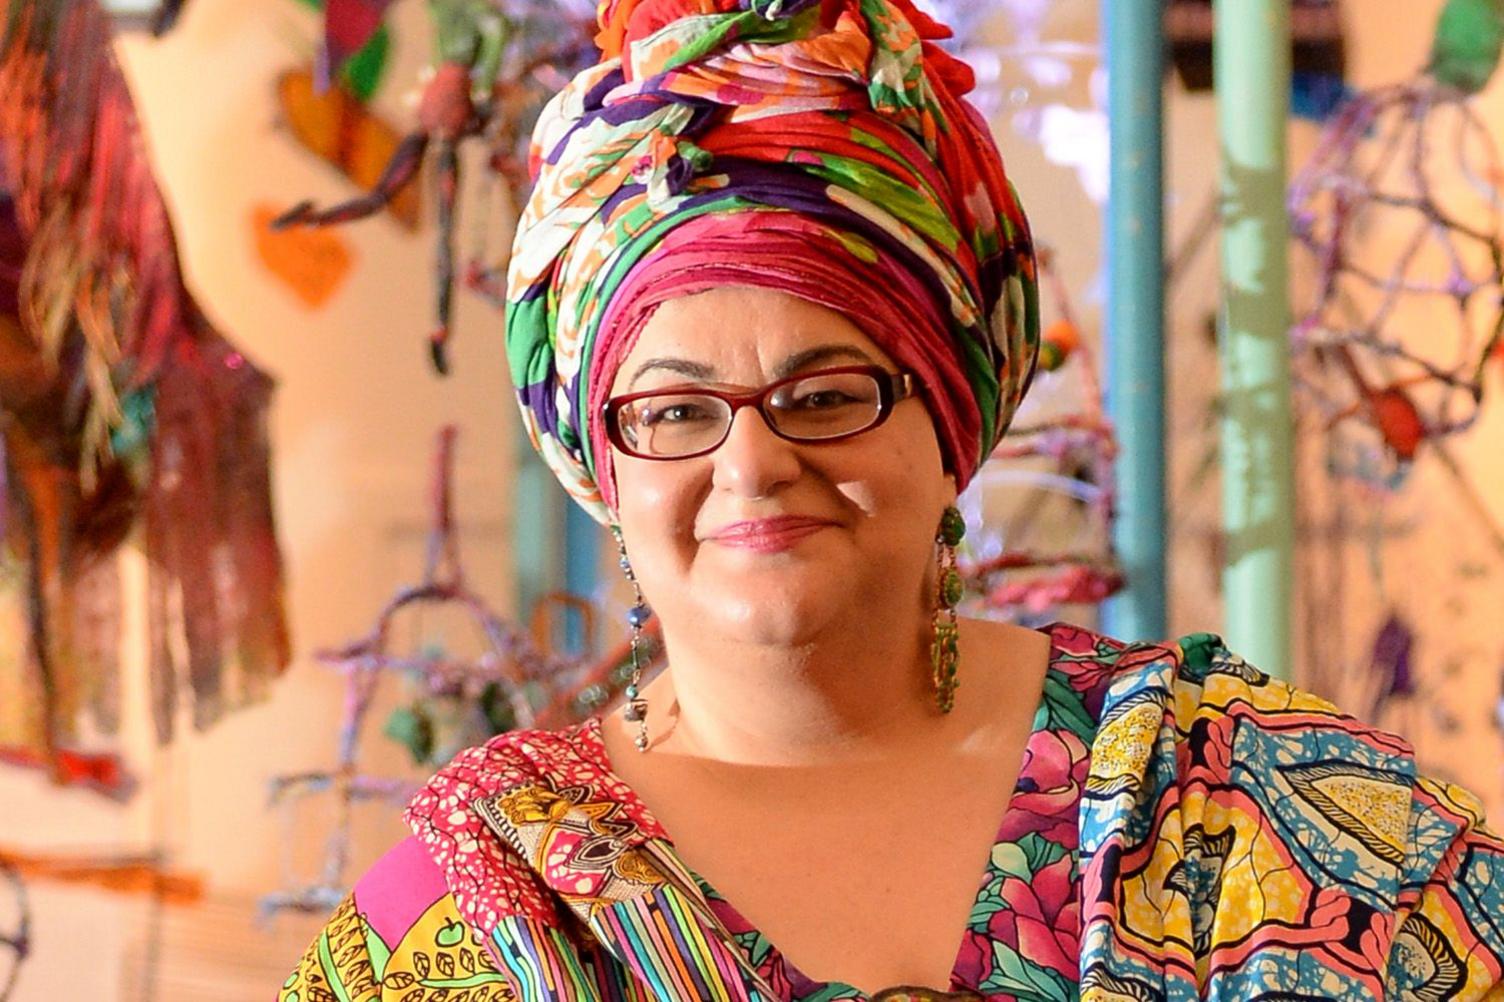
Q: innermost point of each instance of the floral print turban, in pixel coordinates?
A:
(819, 147)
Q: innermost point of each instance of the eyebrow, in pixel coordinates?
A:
(789, 366)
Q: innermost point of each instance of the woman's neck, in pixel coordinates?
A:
(857, 691)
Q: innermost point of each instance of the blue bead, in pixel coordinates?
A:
(631, 692)
(638, 616)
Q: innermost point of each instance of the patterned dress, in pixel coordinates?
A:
(1183, 827)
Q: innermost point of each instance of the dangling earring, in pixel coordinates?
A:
(637, 618)
(944, 654)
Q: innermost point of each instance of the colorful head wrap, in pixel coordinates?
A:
(818, 147)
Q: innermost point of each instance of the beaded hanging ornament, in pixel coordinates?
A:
(637, 617)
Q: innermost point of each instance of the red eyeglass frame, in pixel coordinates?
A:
(892, 388)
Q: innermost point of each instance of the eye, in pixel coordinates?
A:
(672, 412)
(822, 400)
(826, 392)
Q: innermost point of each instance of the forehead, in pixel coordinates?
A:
(742, 333)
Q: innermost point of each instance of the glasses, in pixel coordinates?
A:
(680, 422)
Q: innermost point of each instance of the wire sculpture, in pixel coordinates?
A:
(497, 62)
(1399, 207)
(1397, 212)
(535, 687)
(1067, 455)
(15, 933)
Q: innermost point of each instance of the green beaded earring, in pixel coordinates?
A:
(944, 653)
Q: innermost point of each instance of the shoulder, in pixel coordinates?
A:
(399, 918)
(1278, 817)
(489, 879)
(513, 759)
(1190, 723)
(1345, 803)
(1197, 688)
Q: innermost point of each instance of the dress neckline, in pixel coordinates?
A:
(773, 958)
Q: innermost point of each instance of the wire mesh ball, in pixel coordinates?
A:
(1398, 214)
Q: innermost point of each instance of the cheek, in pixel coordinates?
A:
(900, 490)
(902, 473)
(656, 502)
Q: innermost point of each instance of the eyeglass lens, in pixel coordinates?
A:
(824, 405)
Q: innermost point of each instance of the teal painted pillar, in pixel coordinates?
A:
(556, 545)
(1252, 68)
(1134, 335)
(537, 550)
(582, 562)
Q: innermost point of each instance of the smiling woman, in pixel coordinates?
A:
(771, 304)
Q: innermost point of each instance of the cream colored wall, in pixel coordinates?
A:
(352, 427)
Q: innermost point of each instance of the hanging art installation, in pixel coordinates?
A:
(1400, 266)
(1399, 209)
(459, 698)
(1052, 478)
(336, 126)
(496, 63)
(325, 105)
(124, 411)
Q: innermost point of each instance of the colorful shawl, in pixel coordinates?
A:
(791, 144)
(1183, 827)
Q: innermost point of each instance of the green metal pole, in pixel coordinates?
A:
(1252, 67)
(1134, 338)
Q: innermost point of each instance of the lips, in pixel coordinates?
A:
(769, 534)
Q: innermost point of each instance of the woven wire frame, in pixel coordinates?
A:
(15, 932)
(1399, 211)
(1056, 464)
(541, 688)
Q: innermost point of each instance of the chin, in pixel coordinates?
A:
(773, 610)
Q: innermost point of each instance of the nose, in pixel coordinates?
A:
(753, 461)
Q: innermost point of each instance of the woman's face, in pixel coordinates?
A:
(880, 493)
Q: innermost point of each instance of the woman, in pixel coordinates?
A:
(771, 305)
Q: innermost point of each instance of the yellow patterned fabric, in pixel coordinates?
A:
(436, 957)
(1242, 839)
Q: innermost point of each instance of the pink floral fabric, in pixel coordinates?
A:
(1023, 939)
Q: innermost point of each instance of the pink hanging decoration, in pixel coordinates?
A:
(122, 407)
(1067, 455)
